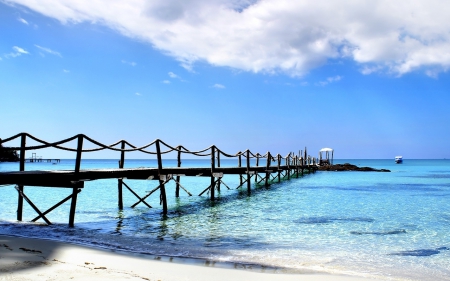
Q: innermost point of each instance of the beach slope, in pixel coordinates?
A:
(33, 259)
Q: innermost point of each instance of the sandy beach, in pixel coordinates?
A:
(33, 259)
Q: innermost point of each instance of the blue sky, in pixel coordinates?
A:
(367, 82)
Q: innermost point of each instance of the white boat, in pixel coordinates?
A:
(398, 159)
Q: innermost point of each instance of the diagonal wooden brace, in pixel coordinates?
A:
(146, 196)
(179, 184)
(32, 205)
(135, 194)
(244, 181)
(224, 184)
(55, 206)
(209, 187)
(260, 180)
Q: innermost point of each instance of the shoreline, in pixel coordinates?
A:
(40, 259)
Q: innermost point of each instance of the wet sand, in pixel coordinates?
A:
(34, 259)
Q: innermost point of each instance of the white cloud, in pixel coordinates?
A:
(166, 82)
(17, 52)
(175, 76)
(330, 80)
(23, 21)
(276, 36)
(66, 71)
(138, 94)
(367, 69)
(132, 63)
(218, 86)
(49, 51)
(172, 75)
(20, 50)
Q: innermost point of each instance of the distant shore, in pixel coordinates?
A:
(33, 259)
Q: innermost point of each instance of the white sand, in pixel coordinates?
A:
(49, 260)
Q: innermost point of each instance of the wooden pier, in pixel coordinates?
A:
(39, 159)
(267, 169)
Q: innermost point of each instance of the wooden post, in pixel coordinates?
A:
(120, 181)
(288, 160)
(177, 189)
(257, 165)
(162, 189)
(305, 160)
(240, 165)
(73, 203)
(279, 171)
(23, 143)
(269, 159)
(218, 165)
(213, 166)
(248, 173)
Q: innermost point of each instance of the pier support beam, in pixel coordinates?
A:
(278, 166)
(162, 179)
(241, 182)
(213, 167)
(22, 168)
(218, 166)
(269, 159)
(177, 188)
(120, 181)
(73, 203)
(249, 191)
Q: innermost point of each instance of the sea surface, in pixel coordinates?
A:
(393, 226)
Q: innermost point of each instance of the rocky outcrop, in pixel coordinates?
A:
(349, 167)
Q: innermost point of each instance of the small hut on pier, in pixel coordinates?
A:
(324, 160)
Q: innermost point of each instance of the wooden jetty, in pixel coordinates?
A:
(267, 169)
(39, 159)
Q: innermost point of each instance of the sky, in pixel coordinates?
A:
(367, 78)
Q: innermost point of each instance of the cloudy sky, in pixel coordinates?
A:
(367, 78)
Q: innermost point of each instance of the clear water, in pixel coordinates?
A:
(392, 226)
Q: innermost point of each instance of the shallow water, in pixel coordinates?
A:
(390, 225)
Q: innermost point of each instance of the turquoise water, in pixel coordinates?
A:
(386, 225)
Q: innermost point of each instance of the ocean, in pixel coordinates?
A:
(393, 226)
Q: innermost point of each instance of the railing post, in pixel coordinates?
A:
(162, 188)
(23, 143)
(213, 166)
(279, 169)
(240, 165)
(73, 202)
(218, 165)
(288, 161)
(177, 188)
(269, 159)
(248, 173)
(257, 165)
(120, 181)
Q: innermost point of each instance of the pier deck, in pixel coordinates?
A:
(67, 178)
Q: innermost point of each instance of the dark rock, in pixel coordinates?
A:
(349, 167)
(8, 155)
